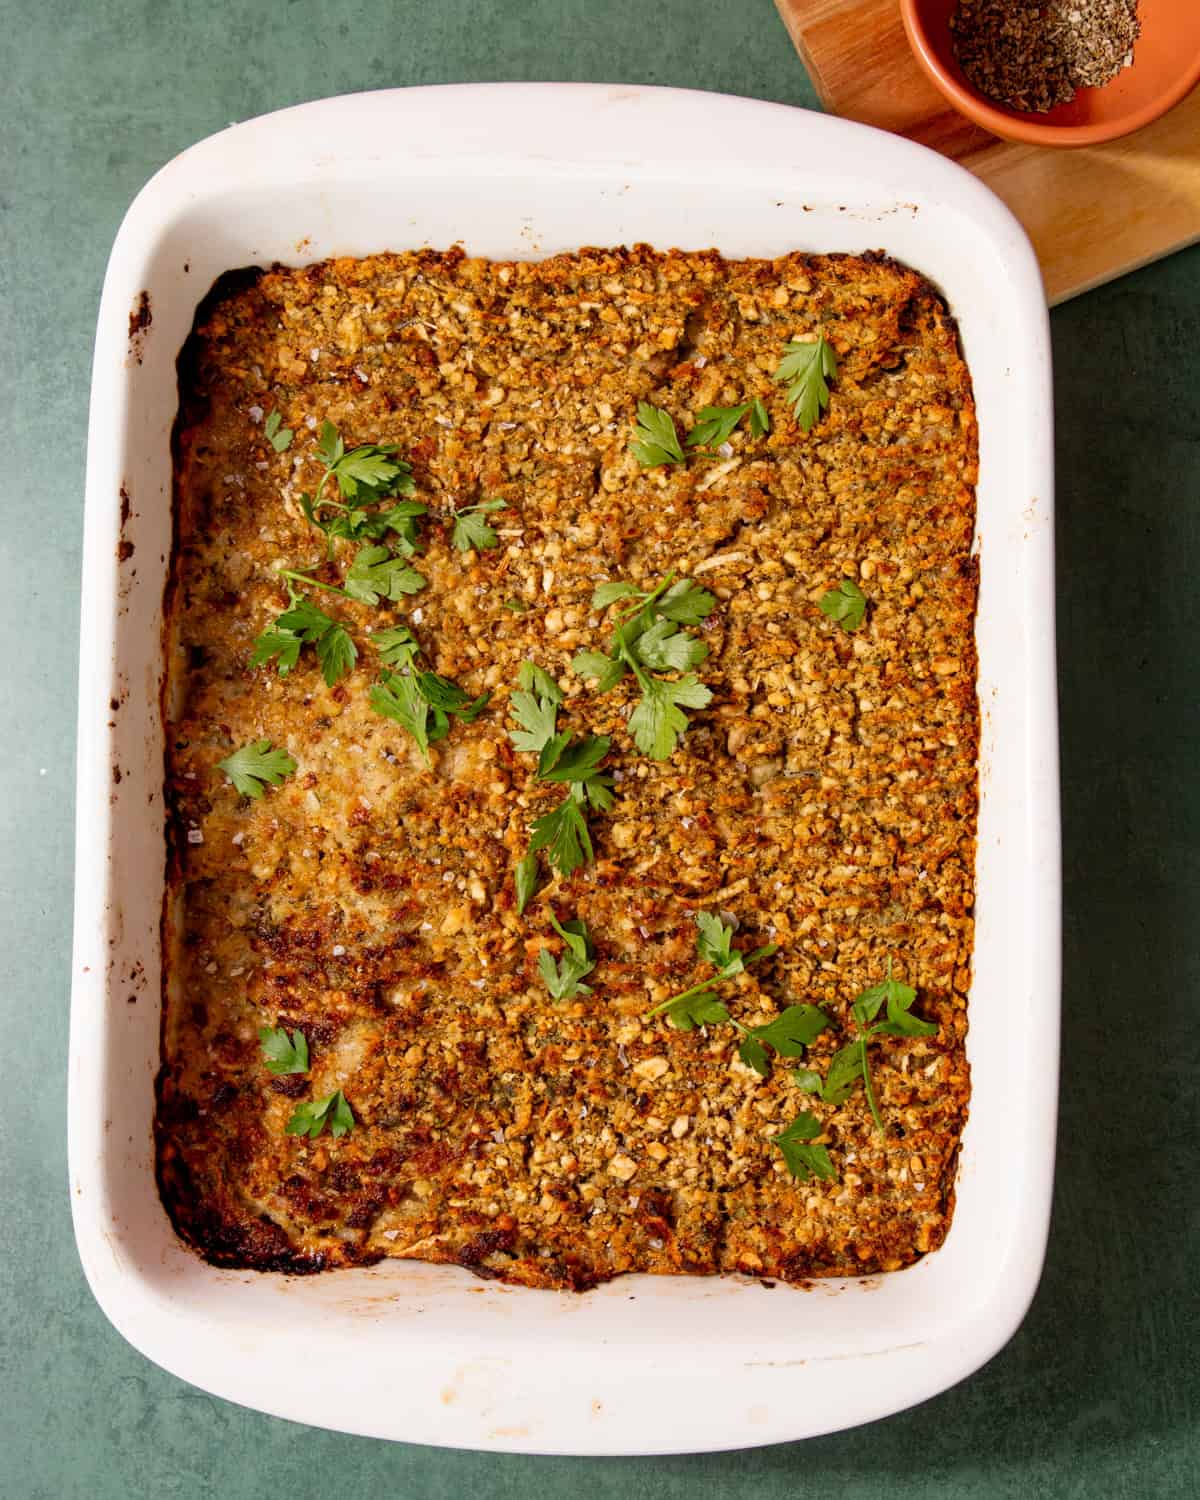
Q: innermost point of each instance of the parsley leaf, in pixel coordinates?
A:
(365, 476)
(311, 1117)
(421, 702)
(397, 646)
(699, 1003)
(532, 679)
(698, 1007)
(280, 438)
(376, 574)
(366, 471)
(714, 940)
(606, 670)
(577, 761)
(715, 425)
(807, 1080)
(802, 1159)
(851, 1062)
(537, 717)
(471, 531)
(279, 646)
(564, 980)
(647, 638)
(760, 422)
(256, 766)
(397, 697)
(845, 1069)
(666, 648)
(847, 604)
(302, 623)
(793, 1030)
(283, 1055)
(790, 1034)
(336, 654)
(563, 833)
(658, 721)
(605, 594)
(685, 602)
(657, 441)
(807, 367)
(446, 697)
(525, 880)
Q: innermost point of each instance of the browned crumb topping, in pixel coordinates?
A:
(826, 799)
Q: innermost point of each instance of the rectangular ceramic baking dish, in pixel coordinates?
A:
(431, 1354)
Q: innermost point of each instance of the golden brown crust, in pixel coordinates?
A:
(826, 798)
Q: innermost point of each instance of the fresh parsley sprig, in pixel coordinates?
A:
(562, 832)
(301, 624)
(256, 766)
(846, 604)
(716, 424)
(373, 576)
(807, 368)
(279, 437)
(281, 1053)
(789, 1034)
(851, 1062)
(311, 1117)
(365, 477)
(657, 441)
(471, 531)
(564, 979)
(423, 703)
(802, 1158)
(648, 637)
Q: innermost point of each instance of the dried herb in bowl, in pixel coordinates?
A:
(1034, 54)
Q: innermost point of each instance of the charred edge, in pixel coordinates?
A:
(141, 317)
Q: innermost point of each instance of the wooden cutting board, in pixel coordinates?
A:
(1092, 213)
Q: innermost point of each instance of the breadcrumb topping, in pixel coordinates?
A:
(825, 800)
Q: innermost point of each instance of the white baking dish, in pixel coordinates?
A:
(431, 1354)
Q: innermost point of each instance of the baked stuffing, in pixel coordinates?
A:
(824, 801)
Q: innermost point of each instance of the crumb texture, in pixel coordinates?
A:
(825, 800)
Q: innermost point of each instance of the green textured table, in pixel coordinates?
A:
(1098, 1394)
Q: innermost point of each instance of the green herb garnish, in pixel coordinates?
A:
(422, 702)
(311, 1117)
(471, 531)
(648, 637)
(256, 766)
(365, 477)
(525, 880)
(788, 1034)
(562, 832)
(851, 1062)
(807, 367)
(301, 624)
(375, 574)
(760, 422)
(847, 604)
(715, 425)
(657, 441)
(283, 1054)
(280, 438)
(564, 979)
(804, 1160)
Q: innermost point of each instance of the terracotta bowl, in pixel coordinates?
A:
(1166, 66)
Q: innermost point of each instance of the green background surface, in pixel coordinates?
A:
(1097, 1395)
